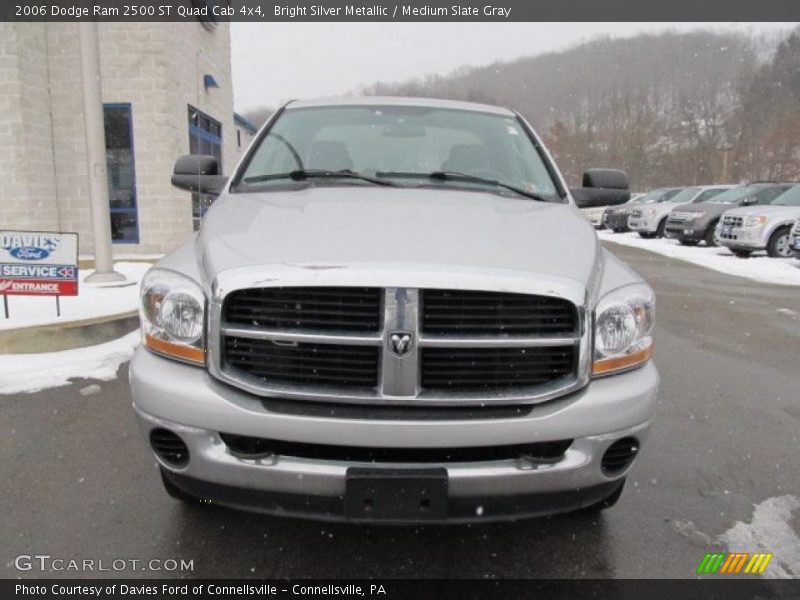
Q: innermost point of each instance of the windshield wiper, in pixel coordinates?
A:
(306, 174)
(457, 176)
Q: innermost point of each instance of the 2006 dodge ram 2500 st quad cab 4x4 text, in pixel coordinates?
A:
(395, 313)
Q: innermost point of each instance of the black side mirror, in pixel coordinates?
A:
(198, 173)
(602, 187)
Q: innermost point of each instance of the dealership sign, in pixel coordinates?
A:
(38, 263)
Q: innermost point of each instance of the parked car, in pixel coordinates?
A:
(595, 214)
(795, 239)
(749, 229)
(693, 223)
(615, 218)
(378, 322)
(651, 221)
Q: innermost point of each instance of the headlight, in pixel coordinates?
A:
(623, 329)
(650, 211)
(754, 221)
(173, 316)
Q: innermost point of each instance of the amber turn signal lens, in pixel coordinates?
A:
(618, 363)
(186, 353)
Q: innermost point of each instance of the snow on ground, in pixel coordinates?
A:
(91, 301)
(770, 531)
(34, 372)
(783, 271)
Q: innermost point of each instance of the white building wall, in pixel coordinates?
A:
(27, 177)
(158, 68)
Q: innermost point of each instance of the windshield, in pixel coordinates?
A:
(401, 144)
(684, 196)
(791, 197)
(735, 195)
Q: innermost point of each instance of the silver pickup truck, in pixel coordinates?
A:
(395, 313)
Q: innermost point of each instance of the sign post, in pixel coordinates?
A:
(38, 263)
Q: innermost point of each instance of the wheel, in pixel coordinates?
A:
(607, 502)
(778, 245)
(688, 242)
(742, 253)
(647, 235)
(662, 227)
(711, 237)
(175, 492)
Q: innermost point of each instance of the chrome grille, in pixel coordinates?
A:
(678, 217)
(459, 312)
(323, 308)
(796, 229)
(465, 347)
(635, 214)
(309, 364)
(493, 368)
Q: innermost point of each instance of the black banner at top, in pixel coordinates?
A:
(214, 11)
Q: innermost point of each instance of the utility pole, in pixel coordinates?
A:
(96, 154)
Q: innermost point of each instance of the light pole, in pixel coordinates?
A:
(96, 154)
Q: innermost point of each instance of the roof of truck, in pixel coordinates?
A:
(400, 101)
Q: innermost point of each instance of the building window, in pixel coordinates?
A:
(121, 173)
(205, 137)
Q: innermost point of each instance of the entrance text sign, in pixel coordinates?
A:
(38, 263)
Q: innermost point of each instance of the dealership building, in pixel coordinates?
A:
(166, 90)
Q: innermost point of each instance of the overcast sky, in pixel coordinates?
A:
(275, 62)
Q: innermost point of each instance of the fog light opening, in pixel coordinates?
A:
(244, 446)
(169, 447)
(620, 455)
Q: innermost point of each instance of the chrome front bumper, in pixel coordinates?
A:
(187, 401)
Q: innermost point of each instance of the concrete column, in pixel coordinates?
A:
(96, 154)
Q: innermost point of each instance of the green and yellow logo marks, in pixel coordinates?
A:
(734, 563)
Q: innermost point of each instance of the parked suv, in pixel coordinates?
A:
(697, 222)
(651, 221)
(395, 313)
(748, 229)
(616, 217)
(596, 214)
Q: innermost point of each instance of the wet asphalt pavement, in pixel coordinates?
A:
(78, 481)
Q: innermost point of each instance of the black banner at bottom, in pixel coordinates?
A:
(392, 589)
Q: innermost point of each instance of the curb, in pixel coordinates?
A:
(68, 335)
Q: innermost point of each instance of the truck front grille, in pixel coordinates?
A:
(460, 312)
(462, 348)
(305, 364)
(494, 368)
(323, 308)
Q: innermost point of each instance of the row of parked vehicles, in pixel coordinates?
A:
(759, 216)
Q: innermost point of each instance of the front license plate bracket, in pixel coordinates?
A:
(396, 495)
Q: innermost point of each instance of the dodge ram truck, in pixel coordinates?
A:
(395, 313)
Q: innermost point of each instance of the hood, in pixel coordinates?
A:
(436, 231)
(774, 210)
(707, 208)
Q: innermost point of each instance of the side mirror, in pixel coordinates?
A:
(602, 187)
(198, 173)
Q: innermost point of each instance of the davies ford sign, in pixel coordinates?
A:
(38, 263)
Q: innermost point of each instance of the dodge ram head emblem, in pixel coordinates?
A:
(400, 342)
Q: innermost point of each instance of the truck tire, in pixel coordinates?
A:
(175, 492)
(607, 502)
(778, 245)
(647, 235)
(742, 253)
(711, 235)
